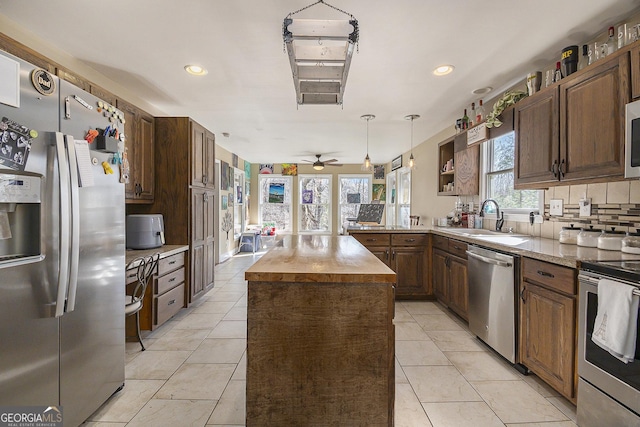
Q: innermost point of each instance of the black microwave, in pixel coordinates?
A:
(632, 141)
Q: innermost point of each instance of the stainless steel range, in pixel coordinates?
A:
(608, 389)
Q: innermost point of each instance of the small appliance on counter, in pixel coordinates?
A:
(145, 231)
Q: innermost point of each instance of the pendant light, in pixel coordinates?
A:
(412, 117)
(366, 166)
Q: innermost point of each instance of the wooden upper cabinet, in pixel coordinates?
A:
(537, 139)
(74, 79)
(199, 155)
(139, 142)
(635, 73)
(103, 94)
(203, 154)
(592, 121)
(467, 176)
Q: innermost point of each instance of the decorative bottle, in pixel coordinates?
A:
(480, 114)
(557, 76)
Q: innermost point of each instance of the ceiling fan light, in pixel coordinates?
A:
(318, 167)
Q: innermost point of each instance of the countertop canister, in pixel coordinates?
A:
(631, 242)
(610, 240)
(588, 237)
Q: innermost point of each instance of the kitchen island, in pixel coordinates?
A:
(320, 335)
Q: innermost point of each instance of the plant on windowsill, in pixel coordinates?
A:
(507, 100)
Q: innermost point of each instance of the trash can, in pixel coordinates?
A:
(249, 241)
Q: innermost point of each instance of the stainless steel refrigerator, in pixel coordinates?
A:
(62, 248)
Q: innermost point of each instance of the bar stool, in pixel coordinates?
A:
(250, 239)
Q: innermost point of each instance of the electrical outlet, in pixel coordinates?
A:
(555, 207)
(585, 207)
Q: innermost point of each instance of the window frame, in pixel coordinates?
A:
(341, 205)
(261, 178)
(329, 204)
(511, 214)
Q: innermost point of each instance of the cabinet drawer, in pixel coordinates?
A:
(168, 281)
(458, 248)
(131, 275)
(373, 239)
(409, 239)
(440, 242)
(170, 263)
(552, 276)
(169, 304)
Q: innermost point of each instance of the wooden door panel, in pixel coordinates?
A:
(458, 286)
(440, 275)
(467, 171)
(408, 263)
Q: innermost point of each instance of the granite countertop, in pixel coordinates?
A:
(320, 259)
(533, 247)
(164, 251)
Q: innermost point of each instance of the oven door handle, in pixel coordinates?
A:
(588, 279)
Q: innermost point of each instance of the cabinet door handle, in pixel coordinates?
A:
(372, 240)
(173, 279)
(456, 247)
(204, 179)
(553, 168)
(562, 168)
(205, 197)
(172, 262)
(386, 253)
(545, 274)
(171, 302)
(524, 301)
(409, 240)
(393, 255)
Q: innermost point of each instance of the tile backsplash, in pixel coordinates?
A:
(613, 204)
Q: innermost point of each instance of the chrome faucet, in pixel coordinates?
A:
(499, 216)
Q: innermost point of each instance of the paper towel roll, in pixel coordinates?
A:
(5, 228)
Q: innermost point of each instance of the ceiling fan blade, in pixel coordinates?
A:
(309, 161)
(333, 164)
(330, 161)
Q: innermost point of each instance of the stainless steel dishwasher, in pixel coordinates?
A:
(492, 303)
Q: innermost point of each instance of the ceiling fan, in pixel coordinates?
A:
(319, 165)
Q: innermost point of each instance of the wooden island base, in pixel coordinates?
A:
(320, 338)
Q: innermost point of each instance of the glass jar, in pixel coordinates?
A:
(631, 242)
(610, 240)
(588, 237)
(569, 235)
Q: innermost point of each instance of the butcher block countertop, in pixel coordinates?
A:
(320, 259)
(164, 251)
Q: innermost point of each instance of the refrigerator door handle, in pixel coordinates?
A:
(75, 222)
(65, 214)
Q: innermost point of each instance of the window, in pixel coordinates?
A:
(238, 206)
(354, 190)
(274, 204)
(314, 214)
(499, 178)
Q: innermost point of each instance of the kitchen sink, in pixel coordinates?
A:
(473, 232)
(504, 239)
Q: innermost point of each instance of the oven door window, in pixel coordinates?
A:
(628, 373)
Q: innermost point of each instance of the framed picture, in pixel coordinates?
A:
(247, 170)
(307, 197)
(223, 203)
(353, 197)
(396, 163)
(239, 194)
(224, 176)
(266, 168)
(378, 171)
(290, 169)
(276, 193)
(234, 160)
(379, 192)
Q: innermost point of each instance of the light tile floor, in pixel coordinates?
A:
(194, 370)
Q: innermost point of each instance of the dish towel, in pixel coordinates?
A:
(5, 228)
(615, 326)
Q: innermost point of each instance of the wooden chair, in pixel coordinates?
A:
(414, 219)
(146, 266)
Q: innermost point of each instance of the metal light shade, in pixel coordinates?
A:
(320, 54)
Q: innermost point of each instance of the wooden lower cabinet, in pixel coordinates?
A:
(548, 324)
(449, 274)
(408, 255)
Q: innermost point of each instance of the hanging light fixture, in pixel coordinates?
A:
(366, 166)
(320, 52)
(412, 117)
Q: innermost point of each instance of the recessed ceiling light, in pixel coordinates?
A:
(443, 70)
(482, 90)
(195, 70)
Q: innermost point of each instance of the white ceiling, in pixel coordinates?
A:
(144, 45)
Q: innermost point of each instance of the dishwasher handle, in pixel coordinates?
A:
(489, 260)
